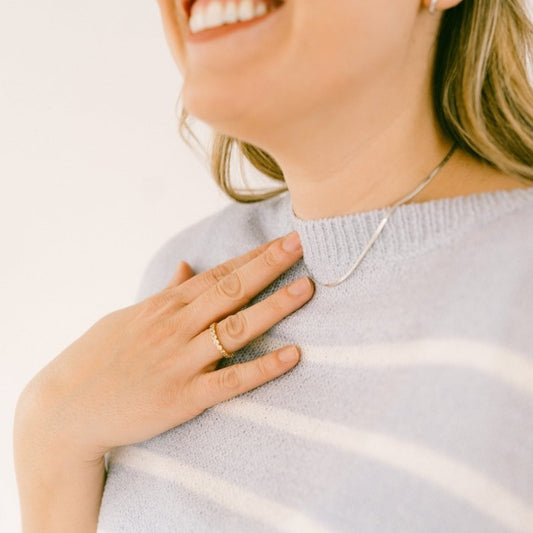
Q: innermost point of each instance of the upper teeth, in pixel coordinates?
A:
(216, 13)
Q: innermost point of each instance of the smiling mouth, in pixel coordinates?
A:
(187, 5)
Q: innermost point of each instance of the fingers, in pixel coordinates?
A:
(182, 273)
(237, 330)
(185, 287)
(238, 287)
(215, 387)
(195, 286)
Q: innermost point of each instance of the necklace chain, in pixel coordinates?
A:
(385, 219)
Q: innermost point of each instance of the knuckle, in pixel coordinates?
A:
(177, 396)
(263, 369)
(153, 304)
(176, 297)
(271, 256)
(158, 331)
(231, 286)
(234, 326)
(166, 396)
(192, 396)
(219, 272)
(210, 388)
(161, 302)
(185, 321)
(229, 379)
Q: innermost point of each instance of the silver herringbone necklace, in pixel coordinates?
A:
(385, 219)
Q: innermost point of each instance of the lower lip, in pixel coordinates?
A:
(213, 33)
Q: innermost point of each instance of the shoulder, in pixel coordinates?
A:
(495, 255)
(510, 230)
(502, 269)
(229, 232)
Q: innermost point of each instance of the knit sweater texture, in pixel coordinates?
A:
(411, 409)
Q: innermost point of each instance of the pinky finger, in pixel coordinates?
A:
(182, 273)
(220, 385)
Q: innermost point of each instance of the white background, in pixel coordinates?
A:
(94, 179)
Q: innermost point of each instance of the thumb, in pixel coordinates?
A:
(182, 273)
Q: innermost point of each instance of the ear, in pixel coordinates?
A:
(442, 5)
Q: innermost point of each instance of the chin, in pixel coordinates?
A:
(236, 115)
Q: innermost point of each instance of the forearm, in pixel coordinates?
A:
(58, 491)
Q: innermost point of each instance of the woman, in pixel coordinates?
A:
(406, 400)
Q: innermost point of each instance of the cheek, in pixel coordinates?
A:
(347, 44)
(243, 95)
(236, 77)
(322, 55)
(174, 27)
(330, 55)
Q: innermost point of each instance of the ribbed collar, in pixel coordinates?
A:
(332, 245)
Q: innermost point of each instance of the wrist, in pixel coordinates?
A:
(59, 493)
(42, 431)
(60, 489)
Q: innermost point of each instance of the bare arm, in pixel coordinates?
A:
(140, 371)
(58, 491)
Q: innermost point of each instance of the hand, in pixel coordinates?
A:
(149, 367)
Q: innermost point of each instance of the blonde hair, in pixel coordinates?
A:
(482, 95)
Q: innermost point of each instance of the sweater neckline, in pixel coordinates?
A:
(331, 245)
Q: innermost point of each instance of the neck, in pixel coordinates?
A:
(366, 157)
(362, 174)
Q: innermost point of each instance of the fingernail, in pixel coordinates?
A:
(288, 355)
(298, 287)
(291, 243)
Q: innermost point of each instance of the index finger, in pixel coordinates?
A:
(190, 289)
(240, 286)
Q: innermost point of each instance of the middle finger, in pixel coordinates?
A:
(237, 330)
(193, 287)
(238, 288)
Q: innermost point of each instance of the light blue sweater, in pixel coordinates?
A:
(411, 409)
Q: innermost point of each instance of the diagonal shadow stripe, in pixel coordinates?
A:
(454, 477)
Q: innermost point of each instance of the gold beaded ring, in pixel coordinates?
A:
(217, 342)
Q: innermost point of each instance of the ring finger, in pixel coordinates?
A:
(237, 330)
